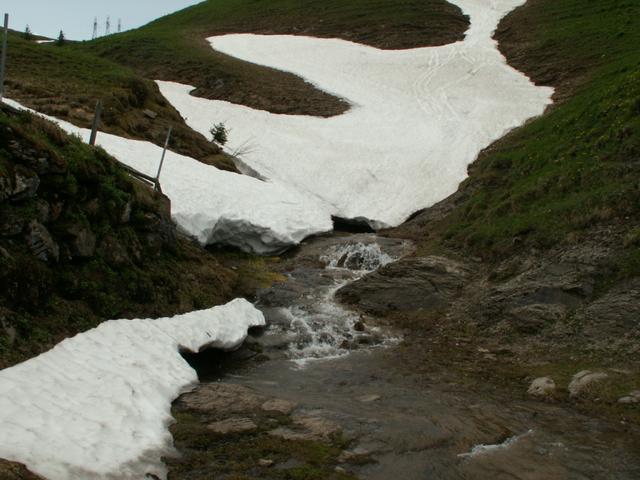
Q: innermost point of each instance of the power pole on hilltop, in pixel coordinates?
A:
(119, 25)
(107, 28)
(3, 55)
(95, 29)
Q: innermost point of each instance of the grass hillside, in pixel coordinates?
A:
(82, 242)
(66, 82)
(575, 168)
(174, 47)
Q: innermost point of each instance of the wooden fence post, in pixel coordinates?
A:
(96, 122)
(3, 55)
(164, 152)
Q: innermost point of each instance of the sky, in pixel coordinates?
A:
(75, 17)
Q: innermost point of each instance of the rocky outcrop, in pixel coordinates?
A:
(16, 471)
(417, 283)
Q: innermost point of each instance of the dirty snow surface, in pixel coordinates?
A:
(419, 117)
(215, 206)
(98, 405)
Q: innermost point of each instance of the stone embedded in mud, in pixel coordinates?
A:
(232, 425)
(312, 428)
(542, 387)
(584, 380)
(264, 462)
(222, 398)
(278, 405)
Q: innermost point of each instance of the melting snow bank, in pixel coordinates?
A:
(419, 117)
(484, 449)
(98, 405)
(218, 207)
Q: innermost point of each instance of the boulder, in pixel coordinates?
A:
(583, 380)
(41, 243)
(222, 399)
(542, 387)
(428, 283)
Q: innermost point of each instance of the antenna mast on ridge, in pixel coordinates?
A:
(107, 29)
(119, 25)
(95, 29)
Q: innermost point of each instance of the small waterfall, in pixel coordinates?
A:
(356, 256)
(316, 325)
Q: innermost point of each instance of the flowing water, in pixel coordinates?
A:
(336, 364)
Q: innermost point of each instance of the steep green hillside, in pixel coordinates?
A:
(174, 47)
(66, 81)
(578, 166)
(81, 242)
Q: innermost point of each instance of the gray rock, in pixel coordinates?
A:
(150, 114)
(26, 185)
(232, 425)
(222, 399)
(542, 387)
(278, 405)
(41, 243)
(428, 283)
(583, 380)
(266, 463)
(369, 398)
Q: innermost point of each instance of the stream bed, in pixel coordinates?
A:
(334, 363)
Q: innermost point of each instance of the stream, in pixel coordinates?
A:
(330, 361)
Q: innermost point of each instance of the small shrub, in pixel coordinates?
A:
(220, 133)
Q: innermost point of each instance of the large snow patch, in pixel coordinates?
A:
(98, 405)
(218, 207)
(419, 117)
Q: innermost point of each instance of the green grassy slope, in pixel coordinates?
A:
(115, 251)
(578, 166)
(174, 47)
(66, 82)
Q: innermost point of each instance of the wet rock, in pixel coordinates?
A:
(583, 380)
(426, 283)
(41, 243)
(222, 399)
(311, 428)
(542, 387)
(317, 426)
(232, 425)
(277, 405)
(359, 326)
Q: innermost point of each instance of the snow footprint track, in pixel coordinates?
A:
(421, 127)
